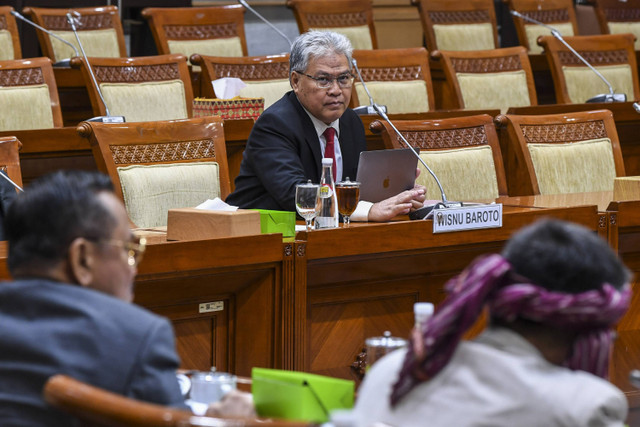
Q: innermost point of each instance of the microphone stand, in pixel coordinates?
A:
(62, 62)
(273, 27)
(102, 119)
(6, 177)
(423, 211)
(608, 97)
(365, 109)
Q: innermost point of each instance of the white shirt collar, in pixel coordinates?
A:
(320, 126)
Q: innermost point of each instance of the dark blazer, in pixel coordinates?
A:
(283, 150)
(47, 328)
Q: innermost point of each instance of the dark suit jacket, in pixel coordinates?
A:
(283, 150)
(48, 328)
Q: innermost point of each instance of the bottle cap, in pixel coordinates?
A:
(423, 309)
(327, 162)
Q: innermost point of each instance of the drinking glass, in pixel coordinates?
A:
(348, 193)
(306, 201)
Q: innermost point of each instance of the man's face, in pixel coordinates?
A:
(112, 274)
(328, 104)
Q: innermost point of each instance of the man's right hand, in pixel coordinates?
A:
(399, 204)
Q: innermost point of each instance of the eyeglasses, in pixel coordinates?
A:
(345, 80)
(135, 249)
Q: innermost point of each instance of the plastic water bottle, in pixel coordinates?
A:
(328, 214)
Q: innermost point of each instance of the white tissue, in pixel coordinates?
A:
(216, 205)
(227, 87)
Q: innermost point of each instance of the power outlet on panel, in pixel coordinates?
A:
(208, 307)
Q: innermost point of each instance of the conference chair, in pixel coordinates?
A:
(99, 407)
(213, 31)
(559, 14)
(265, 76)
(353, 18)
(458, 25)
(613, 55)
(99, 30)
(618, 17)
(9, 158)
(464, 152)
(485, 79)
(397, 78)
(28, 95)
(9, 36)
(141, 89)
(561, 153)
(160, 165)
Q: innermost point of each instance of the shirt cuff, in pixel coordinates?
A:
(361, 214)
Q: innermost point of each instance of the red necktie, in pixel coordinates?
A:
(329, 151)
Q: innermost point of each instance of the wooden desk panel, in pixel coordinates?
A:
(364, 280)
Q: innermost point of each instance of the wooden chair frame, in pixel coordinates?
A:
(32, 71)
(248, 68)
(8, 22)
(162, 142)
(393, 65)
(607, 49)
(455, 12)
(516, 132)
(549, 12)
(446, 134)
(484, 61)
(91, 18)
(195, 23)
(616, 11)
(10, 158)
(106, 409)
(134, 70)
(334, 13)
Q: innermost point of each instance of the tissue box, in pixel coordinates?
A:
(200, 224)
(278, 222)
(235, 108)
(298, 395)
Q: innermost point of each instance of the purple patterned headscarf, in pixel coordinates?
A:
(490, 280)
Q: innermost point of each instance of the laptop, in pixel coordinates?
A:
(385, 173)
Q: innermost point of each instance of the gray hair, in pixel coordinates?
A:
(317, 44)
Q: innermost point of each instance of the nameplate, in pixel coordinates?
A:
(467, 218)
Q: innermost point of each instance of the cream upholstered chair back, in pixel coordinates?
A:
(464, 152)
(213, 31)
(144, 88)
(397, 78)
(28, 95)
(9, 158)
(613, 55)
(265, 76)
(99, 30)
(458, 25)
(497, 78)
(562, 153)
(352, 18)
(157, 166)
(9, 37)
(559, 14)
(619, 17)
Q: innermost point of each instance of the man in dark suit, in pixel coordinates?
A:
(288, 141)
(67, 311)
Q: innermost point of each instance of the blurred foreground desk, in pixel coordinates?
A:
(619, 223)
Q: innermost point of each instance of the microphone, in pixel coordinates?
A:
(102, 119)
(425, 210)
(273, 27)
(61, 63)
(365, 109)
(5, 176)
(606, 97)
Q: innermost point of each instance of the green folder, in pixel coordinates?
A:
(300, 396)
(277, 222)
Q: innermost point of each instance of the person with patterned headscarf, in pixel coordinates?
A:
(553, 295)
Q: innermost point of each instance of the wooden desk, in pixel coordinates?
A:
(619, 223)
(351, 284)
